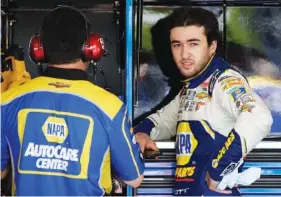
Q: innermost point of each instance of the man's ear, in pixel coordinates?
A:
(213, 47)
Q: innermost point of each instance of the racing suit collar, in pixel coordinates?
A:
(214, 63)
(69, 74)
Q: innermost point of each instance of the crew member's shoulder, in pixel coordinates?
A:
(17, 91)
(105, 94)
(107, 101)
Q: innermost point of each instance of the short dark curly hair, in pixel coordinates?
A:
(186, 16)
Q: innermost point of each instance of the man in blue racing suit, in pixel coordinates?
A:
(217, 118)
(60, 131)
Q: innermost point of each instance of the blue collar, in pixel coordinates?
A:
(215, 63)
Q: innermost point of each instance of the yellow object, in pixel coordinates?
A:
(14, 76)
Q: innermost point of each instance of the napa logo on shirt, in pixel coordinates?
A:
(55, 129)
(49, 145)
(185, 144)
(53, 157)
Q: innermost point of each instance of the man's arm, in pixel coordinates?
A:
(126, 157)
(162, 124)
(239, 103)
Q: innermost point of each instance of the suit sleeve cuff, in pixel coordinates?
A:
(145, 126)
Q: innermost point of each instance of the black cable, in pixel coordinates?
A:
(97, 69)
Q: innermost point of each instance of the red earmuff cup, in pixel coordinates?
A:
(36, 51)
(93, 49)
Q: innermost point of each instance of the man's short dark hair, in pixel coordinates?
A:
(63, 33)
(187, 16)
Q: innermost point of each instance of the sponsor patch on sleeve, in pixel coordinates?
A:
(236, 92)
(245, 103)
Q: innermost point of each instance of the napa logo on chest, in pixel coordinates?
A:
(186, 143)
(55, 129)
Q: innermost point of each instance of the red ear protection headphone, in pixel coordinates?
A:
(92, 50)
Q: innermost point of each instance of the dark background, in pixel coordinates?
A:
(103, 15)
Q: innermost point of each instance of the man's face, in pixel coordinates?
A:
(190, 49)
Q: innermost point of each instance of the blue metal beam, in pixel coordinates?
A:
(129, 56)
(129, 64)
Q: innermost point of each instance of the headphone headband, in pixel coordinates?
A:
(87, 22)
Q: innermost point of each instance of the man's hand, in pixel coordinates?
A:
(213, 185)
(145, 142)
(4, 173)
